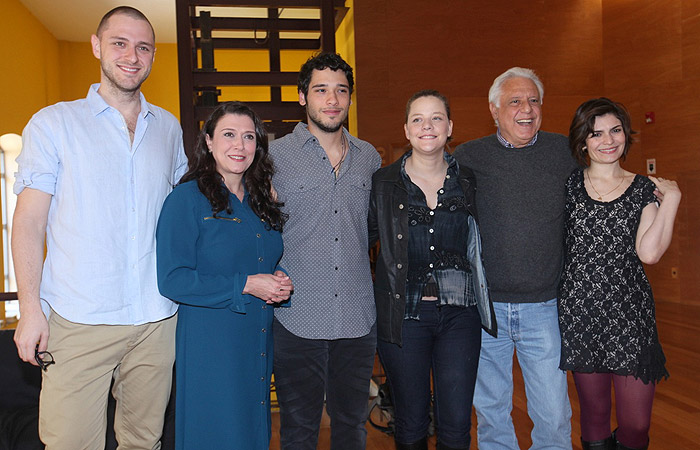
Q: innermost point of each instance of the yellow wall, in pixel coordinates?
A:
(29, 61)
(78, 70)
(258, 61)
(162, 86)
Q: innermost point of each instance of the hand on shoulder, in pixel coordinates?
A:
(666, 189)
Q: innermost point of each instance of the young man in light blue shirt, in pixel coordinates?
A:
(93, 174)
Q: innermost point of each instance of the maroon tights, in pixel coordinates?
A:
(633, 400)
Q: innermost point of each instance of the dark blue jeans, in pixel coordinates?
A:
(306, 370)
(446, 339)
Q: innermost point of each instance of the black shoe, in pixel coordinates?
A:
(624, 447)
(620, 446)
(419, 445)
(441, 446)
(605, 444)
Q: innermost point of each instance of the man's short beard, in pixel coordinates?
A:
(323, 127)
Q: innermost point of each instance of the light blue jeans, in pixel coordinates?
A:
(532, 330)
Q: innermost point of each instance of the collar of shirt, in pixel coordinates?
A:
(301, 132)
(98, 104)
(452, 166)
(507, 144)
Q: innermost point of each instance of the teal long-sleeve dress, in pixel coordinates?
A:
(224, 338)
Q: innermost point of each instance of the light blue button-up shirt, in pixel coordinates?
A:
(107, 193)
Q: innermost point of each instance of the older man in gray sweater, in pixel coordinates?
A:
(520, 173)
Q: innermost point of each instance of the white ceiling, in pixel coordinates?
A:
(76, 20)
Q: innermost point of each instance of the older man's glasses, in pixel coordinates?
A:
(44, 359)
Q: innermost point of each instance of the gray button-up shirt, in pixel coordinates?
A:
(325, 237)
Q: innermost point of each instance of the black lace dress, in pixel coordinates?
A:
(606, 308)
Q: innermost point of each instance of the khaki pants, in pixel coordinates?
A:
(73, 401)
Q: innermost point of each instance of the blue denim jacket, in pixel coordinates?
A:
(388, 223)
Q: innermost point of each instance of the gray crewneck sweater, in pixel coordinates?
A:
(520, 199)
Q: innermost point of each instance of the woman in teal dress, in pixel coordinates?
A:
(218, 245)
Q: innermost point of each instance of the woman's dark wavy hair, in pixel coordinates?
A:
(257, 178)
(584, 121)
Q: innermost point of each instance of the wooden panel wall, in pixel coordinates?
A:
(645, 54)
(460, 46)
(651, 62)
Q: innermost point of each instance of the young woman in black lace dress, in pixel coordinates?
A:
(606, 308)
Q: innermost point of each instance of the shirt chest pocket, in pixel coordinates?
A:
(357, 185)
(224, 237)
(301, 186)
(358, 188)
(360, 183)
(298, 190)
(220, 224)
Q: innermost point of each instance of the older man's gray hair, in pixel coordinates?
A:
(513, 72)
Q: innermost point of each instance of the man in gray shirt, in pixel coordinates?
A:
(325, 340)
(520, 175)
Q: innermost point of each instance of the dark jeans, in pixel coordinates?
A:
(446, 339)
(306, 370)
